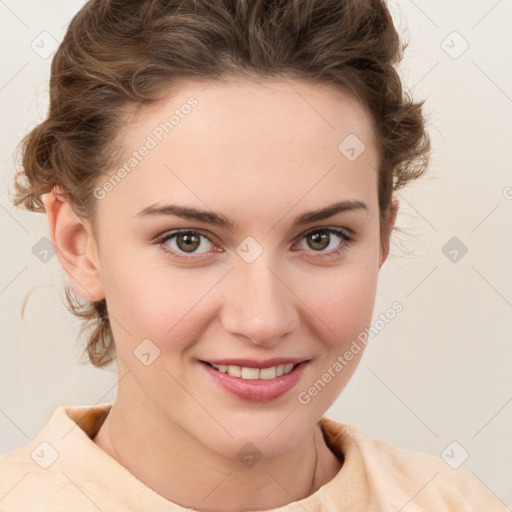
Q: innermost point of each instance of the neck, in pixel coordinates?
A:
(172, 463)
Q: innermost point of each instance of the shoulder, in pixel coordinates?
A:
(400, 476)
(47, 471)
(26, 477)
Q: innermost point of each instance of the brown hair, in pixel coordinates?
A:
(122, 53)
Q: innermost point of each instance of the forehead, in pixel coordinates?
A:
(256, 141)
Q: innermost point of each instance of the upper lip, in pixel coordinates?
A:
(253, 363)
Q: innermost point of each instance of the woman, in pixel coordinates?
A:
(218, 179)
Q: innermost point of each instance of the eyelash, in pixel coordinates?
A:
(343, 246)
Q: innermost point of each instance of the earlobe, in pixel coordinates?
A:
(75, 246)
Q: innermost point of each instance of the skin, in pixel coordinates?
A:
(260, 153)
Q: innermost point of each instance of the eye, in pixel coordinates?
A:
(322, 238)
(185, 243)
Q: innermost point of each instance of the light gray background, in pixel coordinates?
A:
(440, 371)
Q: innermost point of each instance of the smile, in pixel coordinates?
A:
(256, 384)
(254, 373)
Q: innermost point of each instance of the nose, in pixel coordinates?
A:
(259, 304)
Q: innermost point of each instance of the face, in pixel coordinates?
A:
(253, 277)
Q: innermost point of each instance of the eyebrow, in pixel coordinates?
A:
(209, 217)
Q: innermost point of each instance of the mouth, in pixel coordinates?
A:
(252, 373)
(259, 382)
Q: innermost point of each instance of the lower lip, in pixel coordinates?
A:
(257, 390)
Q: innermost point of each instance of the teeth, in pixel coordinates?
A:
(268, 373)
(255, 373)
(250, 373)
(236, 371)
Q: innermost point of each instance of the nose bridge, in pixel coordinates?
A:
(259, 304)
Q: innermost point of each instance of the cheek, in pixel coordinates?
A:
(341, 308)
(149, 299)
(342, 299)
(135, 295)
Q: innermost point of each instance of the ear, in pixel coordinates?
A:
(390, 222)
(75, 245)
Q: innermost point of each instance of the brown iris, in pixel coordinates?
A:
(318, 238)
(190, 243)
